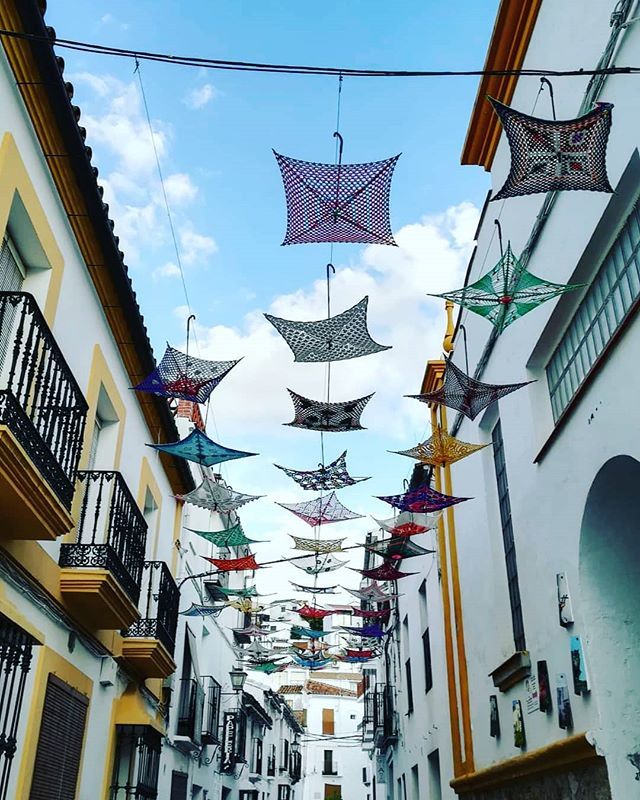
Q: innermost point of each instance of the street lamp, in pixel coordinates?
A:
(295, 746)
(238, 677)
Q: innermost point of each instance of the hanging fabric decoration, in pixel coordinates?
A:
(334, 339)
(214, 496)
(248, 591)
(507, 292)
(310, 647)
(268, 667)
(315, 415)
(298, 632)
(398, 548)
(422, 500)
(231, 537)
(317, 546)
(333, 476)
(308, 612)
(314, 589)
(252, 630)
(409, 524)
(312, 664)
(367, 631)
(234, 564)
(321, 511)
(356, 659)
(257, 650)
(337, 202)
(466, 394)
(351, 653)
(385, 572)
(198, 447)
(196, 610)
(372, 594)
(440, 449)
(315, 565)
(368, 614)
(185, 377)
(555, 155)
(245, 605)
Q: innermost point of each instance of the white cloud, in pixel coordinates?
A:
(180, 188)
(105, 19)
(431, 257)
(196, 246)
(168, 270)
(200, 96)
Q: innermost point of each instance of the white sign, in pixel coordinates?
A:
(533, 697)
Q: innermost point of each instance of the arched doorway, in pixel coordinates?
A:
(610, 607)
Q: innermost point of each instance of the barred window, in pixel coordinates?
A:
(609, 301)
(136, 764)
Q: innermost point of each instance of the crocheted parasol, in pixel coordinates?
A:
(315, 565)
(231, 537)
(440, 449)
(321, 511)
(234, 564)
(422, 500)
(214, 496)
(333, 476)
(198, 447)
(555, 155)
(316, 415)
(317, 545)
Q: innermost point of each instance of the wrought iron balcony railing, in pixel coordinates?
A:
(295, 768)
(211, 715)
(385, 721)
(40, 401)
(190, 710)
(158, 606)
(112, 533)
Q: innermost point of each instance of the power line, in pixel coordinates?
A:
(300, 69)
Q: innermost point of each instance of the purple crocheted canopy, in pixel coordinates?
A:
(337, 202)
(333, 476)
(334, 339)
(385, 572)
(555, 155)
(198, 447)
(367, 631)
(507, 292)
(314, 415)
(321, 511)
(185, 377)
(422, 500)
(466, 394)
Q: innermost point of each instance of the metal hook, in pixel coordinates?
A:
(466, 352)
(337, 135)
(546, 82)
(405, 484)
(330, 269)
(499, 227)
(189, 318)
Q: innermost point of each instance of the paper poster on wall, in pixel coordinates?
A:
(533, 697)
(544, 688)
(494, 717)
(519, 739)
(565, 609)
(565, 717)
(578, 667)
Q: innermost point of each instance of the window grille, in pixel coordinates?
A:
(507, 538)
(137, 763)
(15, 659)
(612, 297)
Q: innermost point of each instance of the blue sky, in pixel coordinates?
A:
(215, 132)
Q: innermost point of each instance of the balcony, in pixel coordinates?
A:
(149, 643)
(190, 714)
(42, 418)
(385, 721)
(102, 570)
(295, 767)
(211, 715)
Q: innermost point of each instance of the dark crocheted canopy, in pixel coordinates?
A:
(198, 447)
(385, 572)
(334, 339)
(367, 631)
(196, 610)
(315, 565)
(507, 292)
(311, 664)
(313, 589)
(372, 593)
(555, 155)
(398, 548)
(333, 476)
(368, 614)
(185, 377)
(422, 500)
(321, 510)
(337, 202)
(466, 394)
(315, 415)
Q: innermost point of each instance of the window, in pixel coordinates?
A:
(507, 538)
(11, 279)
(327, 767)
(256, 755)
(271, 761)
(407, 672)
(284, 791)
(332, 791)
(610, 299)
(60, 742)
(211, 716)
(428, 671)
(328, 722)
(435, 787)
(249, 794)
(284, 764)
(15, 659)
(415, 783)
(179, 785)
(136, 764)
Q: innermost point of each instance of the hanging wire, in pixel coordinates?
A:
(546, 82)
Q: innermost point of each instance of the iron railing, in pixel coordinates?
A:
(112, 532)
(190, 710)
(40, 401)
(211, 715)
(158, 606)
(295, 768)
(136, 764)
(385, 722)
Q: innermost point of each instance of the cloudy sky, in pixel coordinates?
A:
(214, 133)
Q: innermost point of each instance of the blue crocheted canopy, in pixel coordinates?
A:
(422, 500)
(198, 447)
